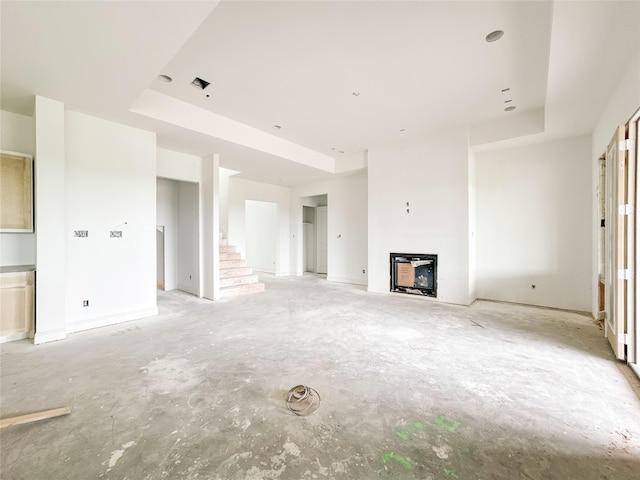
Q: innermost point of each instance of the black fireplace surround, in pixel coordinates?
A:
(414, 273)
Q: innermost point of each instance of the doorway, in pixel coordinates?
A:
(315, 234)
(177, 235)
(309, 239)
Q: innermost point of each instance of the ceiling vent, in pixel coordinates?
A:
(200, 83)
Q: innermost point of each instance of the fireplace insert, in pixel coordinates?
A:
(414, 274)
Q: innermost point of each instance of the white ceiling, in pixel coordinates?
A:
(417, 66)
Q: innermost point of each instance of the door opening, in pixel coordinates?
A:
(309, 239)
(315, 249)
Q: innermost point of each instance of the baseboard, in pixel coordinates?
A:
(354, 281)
(188, 289)
(262, 270)
(51, 336)
(110, 320)
(636, 369)
(12, 337)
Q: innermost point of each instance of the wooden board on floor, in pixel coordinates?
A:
(34, 417)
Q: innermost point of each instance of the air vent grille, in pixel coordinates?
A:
(200, 83)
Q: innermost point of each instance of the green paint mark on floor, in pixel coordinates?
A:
(418, 425)
(404, 434)
(451, 473)
(401, 460)
(447, 423)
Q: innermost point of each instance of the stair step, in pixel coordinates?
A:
(227, 292)
(232, 263)
(227, 248)
(234, 281)
(235, 272)
(229, 256)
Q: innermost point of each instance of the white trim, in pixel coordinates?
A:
(188, 289)
(351, 280)
(636, 369)
(14, 336)
(110, 320)
(51, 336)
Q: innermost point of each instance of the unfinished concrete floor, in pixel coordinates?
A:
(411, 389)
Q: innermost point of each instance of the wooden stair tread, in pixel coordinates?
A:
(235, 276)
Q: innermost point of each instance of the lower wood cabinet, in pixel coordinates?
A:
(17, 300)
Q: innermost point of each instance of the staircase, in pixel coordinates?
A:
(235, 277)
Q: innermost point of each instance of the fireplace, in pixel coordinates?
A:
(415, 274)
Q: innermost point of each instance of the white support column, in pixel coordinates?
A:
(210, 228)
(50, 219)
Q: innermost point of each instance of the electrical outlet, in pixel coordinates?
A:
(115, 234)
(81, 233)
(363, 270)
(85, 303)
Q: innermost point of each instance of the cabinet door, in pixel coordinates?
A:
(16, 186)
(16, 298)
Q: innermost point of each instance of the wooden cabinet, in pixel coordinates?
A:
(16, 192)
(17, 300)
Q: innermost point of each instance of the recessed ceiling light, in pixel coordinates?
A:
(505, 89)
(402, 129)
(355, 94)
(165, 78)
(277, 127)
(493, 36)
(508, 101)
(510, 109)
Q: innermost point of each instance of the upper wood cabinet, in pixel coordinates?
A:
(16, 192)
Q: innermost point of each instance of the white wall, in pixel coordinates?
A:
(167, 216)
(223, 199)
(346, 227)
(431, 173)
(261, 235)
(534, 224)
(17, 135)
(50, 215)
(241, 190)
(624, 101)
(188, 238)
(473, 226)
(110, 180)
(178, 166)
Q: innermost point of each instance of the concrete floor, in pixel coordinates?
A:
(411, 389)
